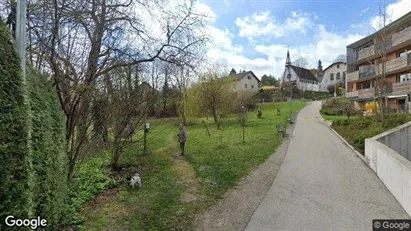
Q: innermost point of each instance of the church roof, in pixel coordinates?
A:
(304, 73)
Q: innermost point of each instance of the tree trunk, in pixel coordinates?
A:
(116, 155)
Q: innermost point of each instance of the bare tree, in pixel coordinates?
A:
(78, 43)
(301, 62)
(341, 58)
(377, 58)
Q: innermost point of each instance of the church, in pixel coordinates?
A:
(300, 77)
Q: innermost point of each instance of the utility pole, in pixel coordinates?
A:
(21, 34)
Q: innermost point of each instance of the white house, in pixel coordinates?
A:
(245, 80)
(301, 77)
(333, 75)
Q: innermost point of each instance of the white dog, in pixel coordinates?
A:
(135, 180)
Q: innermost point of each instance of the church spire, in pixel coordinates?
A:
(288, 61)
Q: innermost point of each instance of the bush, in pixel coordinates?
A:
(92, 178)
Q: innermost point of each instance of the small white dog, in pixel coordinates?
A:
(135, 180)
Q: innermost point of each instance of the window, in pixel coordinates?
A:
(248, 77)
(252, 86)
(331, 76)
(405, 77)
(403, 53)
(338, 76)
(245, 85)
(338, 66)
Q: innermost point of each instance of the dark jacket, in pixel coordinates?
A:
(182, 136)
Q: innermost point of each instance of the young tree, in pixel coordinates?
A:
(216, 95)
(242, 119)
(382, 44)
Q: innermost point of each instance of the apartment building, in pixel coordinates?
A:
(386, 53)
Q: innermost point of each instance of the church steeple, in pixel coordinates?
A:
(288, 61)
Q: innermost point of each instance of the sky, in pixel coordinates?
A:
(255, 34)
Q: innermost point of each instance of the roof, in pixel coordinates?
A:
(334, 64)
(369, 38)
(244, 74)
(304, 73)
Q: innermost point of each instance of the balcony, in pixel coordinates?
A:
(366, 93)
(366, 52)
(353, 76)
(401, 88)
(401, 36)
(352, 94)
(394, 64)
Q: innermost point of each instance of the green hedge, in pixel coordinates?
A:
(48, 147)
(32, 143)
(16, 171)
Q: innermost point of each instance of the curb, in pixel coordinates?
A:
(345, 141)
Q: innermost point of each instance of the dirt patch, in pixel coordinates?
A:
(100, 201)
(186, 177)
(234, 211)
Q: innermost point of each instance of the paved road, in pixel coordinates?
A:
(322, 185)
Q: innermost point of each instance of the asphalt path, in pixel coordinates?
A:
(322, 185)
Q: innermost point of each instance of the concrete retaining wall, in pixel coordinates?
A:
(391, 167)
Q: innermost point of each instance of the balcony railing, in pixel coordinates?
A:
(401, 36)
(366, 52)
(353, 76)
(365, 71)
(352, 94)
(401, 88)
(394, 64)
(366, 93)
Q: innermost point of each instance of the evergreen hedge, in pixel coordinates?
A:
(48, 150)
(16, 170)
(33, 176)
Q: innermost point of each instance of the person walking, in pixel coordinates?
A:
(182, 137)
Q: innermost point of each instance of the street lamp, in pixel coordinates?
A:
(291, 95)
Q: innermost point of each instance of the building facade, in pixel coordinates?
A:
(302, 78)
(245, 80)
(379, 65)
(333, 76)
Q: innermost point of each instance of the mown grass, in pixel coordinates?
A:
(212, 165)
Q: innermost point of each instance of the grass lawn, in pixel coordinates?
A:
(174, 188)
